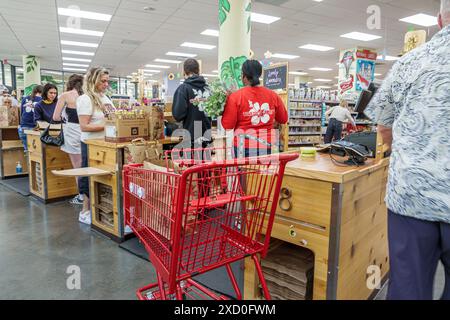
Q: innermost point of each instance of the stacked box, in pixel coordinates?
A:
(155, 116)
(124, 130)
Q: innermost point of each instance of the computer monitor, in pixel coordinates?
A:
(365, 97)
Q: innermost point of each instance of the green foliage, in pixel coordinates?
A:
(249, 19)
(31, 63)
(231, 71)
(224, 8)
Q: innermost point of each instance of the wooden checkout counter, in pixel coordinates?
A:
(11, 152)
(42, 160)
(106, 161)
(338, 213)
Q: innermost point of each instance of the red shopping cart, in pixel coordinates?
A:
(199, 214)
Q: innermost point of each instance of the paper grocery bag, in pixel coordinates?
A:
(140, 150)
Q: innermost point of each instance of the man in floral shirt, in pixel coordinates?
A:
(412, 110)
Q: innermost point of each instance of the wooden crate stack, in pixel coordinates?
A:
(105, 205)
(289, 272)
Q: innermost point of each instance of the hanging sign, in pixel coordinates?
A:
(275, 77)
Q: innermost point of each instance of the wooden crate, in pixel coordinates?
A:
(11, 152)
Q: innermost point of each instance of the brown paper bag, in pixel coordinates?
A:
(140, 150)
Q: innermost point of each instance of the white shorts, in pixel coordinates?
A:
(72, 138)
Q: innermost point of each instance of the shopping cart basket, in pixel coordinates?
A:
(199, 214)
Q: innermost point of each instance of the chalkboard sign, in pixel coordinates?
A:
(275, 77)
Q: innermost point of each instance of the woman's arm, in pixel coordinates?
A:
(59, 107)
(86, 126)
(230, 113)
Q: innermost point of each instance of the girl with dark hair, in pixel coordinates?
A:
(67, 103)
(43, 113)
(253, 112)
(27, 113)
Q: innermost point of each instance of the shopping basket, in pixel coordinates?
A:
(199, 214)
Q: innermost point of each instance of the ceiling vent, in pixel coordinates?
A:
(131, 42)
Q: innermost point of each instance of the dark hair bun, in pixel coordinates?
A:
(252, 70)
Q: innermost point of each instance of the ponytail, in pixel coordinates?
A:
(252, 70)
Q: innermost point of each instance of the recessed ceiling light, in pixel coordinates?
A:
(168, 61)
(320, 69)
(211, 32)
(79, 44)
(75, 65)
(19, 69)
(377, 74)
(51, 72)
(323, 80)
(76, 59)
(209, 75)
(74, 69)
(323, 87)
(157, 66)
(296, 73)
(360, 36)
(81, 53)
(388, 58)
(316, 47)
(284, 56)
(152, 71)
(197, 45)
(421, 19)
(263, 18)
(336, 77)
(83, 32)
(181, 54)
(215, 71)
(84, 14)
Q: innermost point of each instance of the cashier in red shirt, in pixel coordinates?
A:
(252, 113)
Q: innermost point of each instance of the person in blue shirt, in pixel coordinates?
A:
(27, 113)
(43, 112)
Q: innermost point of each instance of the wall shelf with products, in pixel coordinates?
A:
(306, 115)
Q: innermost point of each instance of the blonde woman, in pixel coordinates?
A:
(92, 107)
(337, 116)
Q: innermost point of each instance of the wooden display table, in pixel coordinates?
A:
(337, 212)
(42, 160)
(106, 189)
(11, 152)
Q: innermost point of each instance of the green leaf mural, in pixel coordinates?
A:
(249, 19)
(31, 63)
(28, 90)
(224, 8)
(231, 70)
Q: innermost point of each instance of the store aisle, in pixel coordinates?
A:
(38, 243)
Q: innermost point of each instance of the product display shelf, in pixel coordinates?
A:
(11, 154)
(304, 116)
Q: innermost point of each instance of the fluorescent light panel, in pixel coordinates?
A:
(167, 61)
(74, 69)
(76, 59)
(320, 69)
(316, 47)
(79, 44)
(323, 80)
(211, 32)
(388, 58)
(75, 65)
(263, 18)
(152, 71)
(360, 36)
(197, 45)
(421, 19)
(84, 14)
(83, 32)
(181, 54)
(296, 73)
(157, 66)
(284, 56)
(81, 53)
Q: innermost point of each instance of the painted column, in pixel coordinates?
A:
(234, 38)
(31, 73)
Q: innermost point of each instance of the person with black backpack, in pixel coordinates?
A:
(191, 92)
